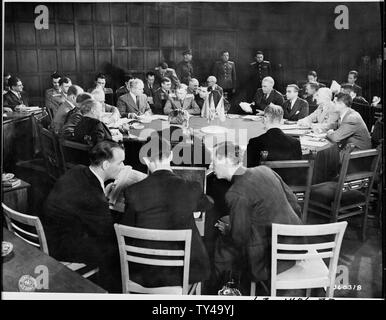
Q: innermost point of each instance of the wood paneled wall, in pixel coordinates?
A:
(86, 38)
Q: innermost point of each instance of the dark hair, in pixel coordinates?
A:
(259, 52)
(228, 149)
(293, 86)
(313, 85)
(83, 97)
(312, 73)
(127, 77)
(74, 90)
(345, 98)
(64, 80)
(158, 148)
(100, 76)
(163, 65)
(55, 75)
(165, 79)
(150, 73)
(12, 81)
(355, 73)
(103, 151)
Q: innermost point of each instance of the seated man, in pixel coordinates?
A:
(74, 116)
(357, 100)
(150, 87)
(53, 96)
(100, 82)
(90, 129)
(163, 71)
(294, 107)
(6, 77)
(161, 95)
(275, 142)
(134, 102)
(325, 116)
(257, 198)
(65, 107)
(264, 96)
(77, 220)
(15, 98)
(193, 89)
(99, 95)
(165, 201)
(351, 127)
(125, 88)
(183, 101)
(188, 149)
(310, 89)
(352, 77)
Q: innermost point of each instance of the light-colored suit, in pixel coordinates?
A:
(325, 115)
(353, 130)
(126, 104)
(187, 104)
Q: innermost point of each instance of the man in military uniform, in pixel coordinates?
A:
(163, 71)
(260, 69)
(182, 101)
(225, 72)
(185, 68)
(53, 96)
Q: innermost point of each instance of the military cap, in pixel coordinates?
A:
(188, 51)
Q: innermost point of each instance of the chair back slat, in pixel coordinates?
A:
(124, 232)
(13, 215)
(331, 250)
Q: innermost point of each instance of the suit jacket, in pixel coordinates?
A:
(357, 89)
(53, 99)
(126, 105)
(77, 220)
(165, 201)
(254, 206)
(261, 102)
(169, 73)
(197, 98)
(73, 117)
(10, 100)
(216, 93)
(298, 111)
(91, 131)
(352, 129)
(325, 115)
(121, 91)
(160, 98)
(187, 104)
(279, 146)
(312, 105)
(225, 72)
(61, 115)
(150, 91)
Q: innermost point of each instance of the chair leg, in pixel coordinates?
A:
(253, 289)
(364, 224)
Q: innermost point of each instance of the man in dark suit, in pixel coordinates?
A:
(165, 201)
(273, 145)
(77, 220)
(225, 72)
(15, 97)
(134, 102)
(161, 95)
(150, 87)
(125, 88)
(264, 96)
(184, 68)
(90, 129)
(257, 198)
(294, 107)
(310, 90)
(53, 96)
(352, 77)
(351, 127)
(193, 89)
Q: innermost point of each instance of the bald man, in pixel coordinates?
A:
(193, 89)
(215, 91)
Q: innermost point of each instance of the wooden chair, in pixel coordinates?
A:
(51, 152)
(310, 271)
(350, 194)
(126, 256)
(30, 229)
(197, 174)
(297, 174)
(74, 153)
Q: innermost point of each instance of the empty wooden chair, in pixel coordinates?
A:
(350, 194)
(30, 229)
(297, 174)
(310, 271)
(155, 257)
(197, 174)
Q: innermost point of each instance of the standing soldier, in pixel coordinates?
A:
(225, 72)
(185, 68)
(259, 70)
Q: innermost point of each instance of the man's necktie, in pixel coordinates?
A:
(137, 101)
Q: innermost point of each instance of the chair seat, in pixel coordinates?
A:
(84, 270)
(311, 273)
(325, 193)
(137, 288)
